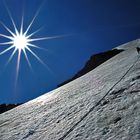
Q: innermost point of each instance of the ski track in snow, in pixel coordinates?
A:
(59, 114)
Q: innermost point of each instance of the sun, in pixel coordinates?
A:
(21, 41)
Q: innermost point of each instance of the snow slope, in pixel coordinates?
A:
(101, 105)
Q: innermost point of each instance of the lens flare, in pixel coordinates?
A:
(22, 41)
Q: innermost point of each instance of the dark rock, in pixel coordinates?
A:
(104, 102)
(117, 119)
(92, 63)
(6, 107)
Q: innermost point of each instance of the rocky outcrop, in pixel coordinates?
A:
(93, 62)
(6, 107)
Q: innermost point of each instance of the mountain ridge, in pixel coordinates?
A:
(94, 61)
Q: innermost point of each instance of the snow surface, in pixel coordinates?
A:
(101, 105)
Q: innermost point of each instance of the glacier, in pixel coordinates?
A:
(104, 104)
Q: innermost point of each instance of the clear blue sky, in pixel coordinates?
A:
(93, 25)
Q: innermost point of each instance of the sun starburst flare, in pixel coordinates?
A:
(22, 41)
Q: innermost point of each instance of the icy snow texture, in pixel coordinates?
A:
(73, 111)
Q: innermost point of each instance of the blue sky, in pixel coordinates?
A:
(90, 26)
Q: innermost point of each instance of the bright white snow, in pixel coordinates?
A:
(71, 112)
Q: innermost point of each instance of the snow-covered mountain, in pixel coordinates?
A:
(104, 104)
